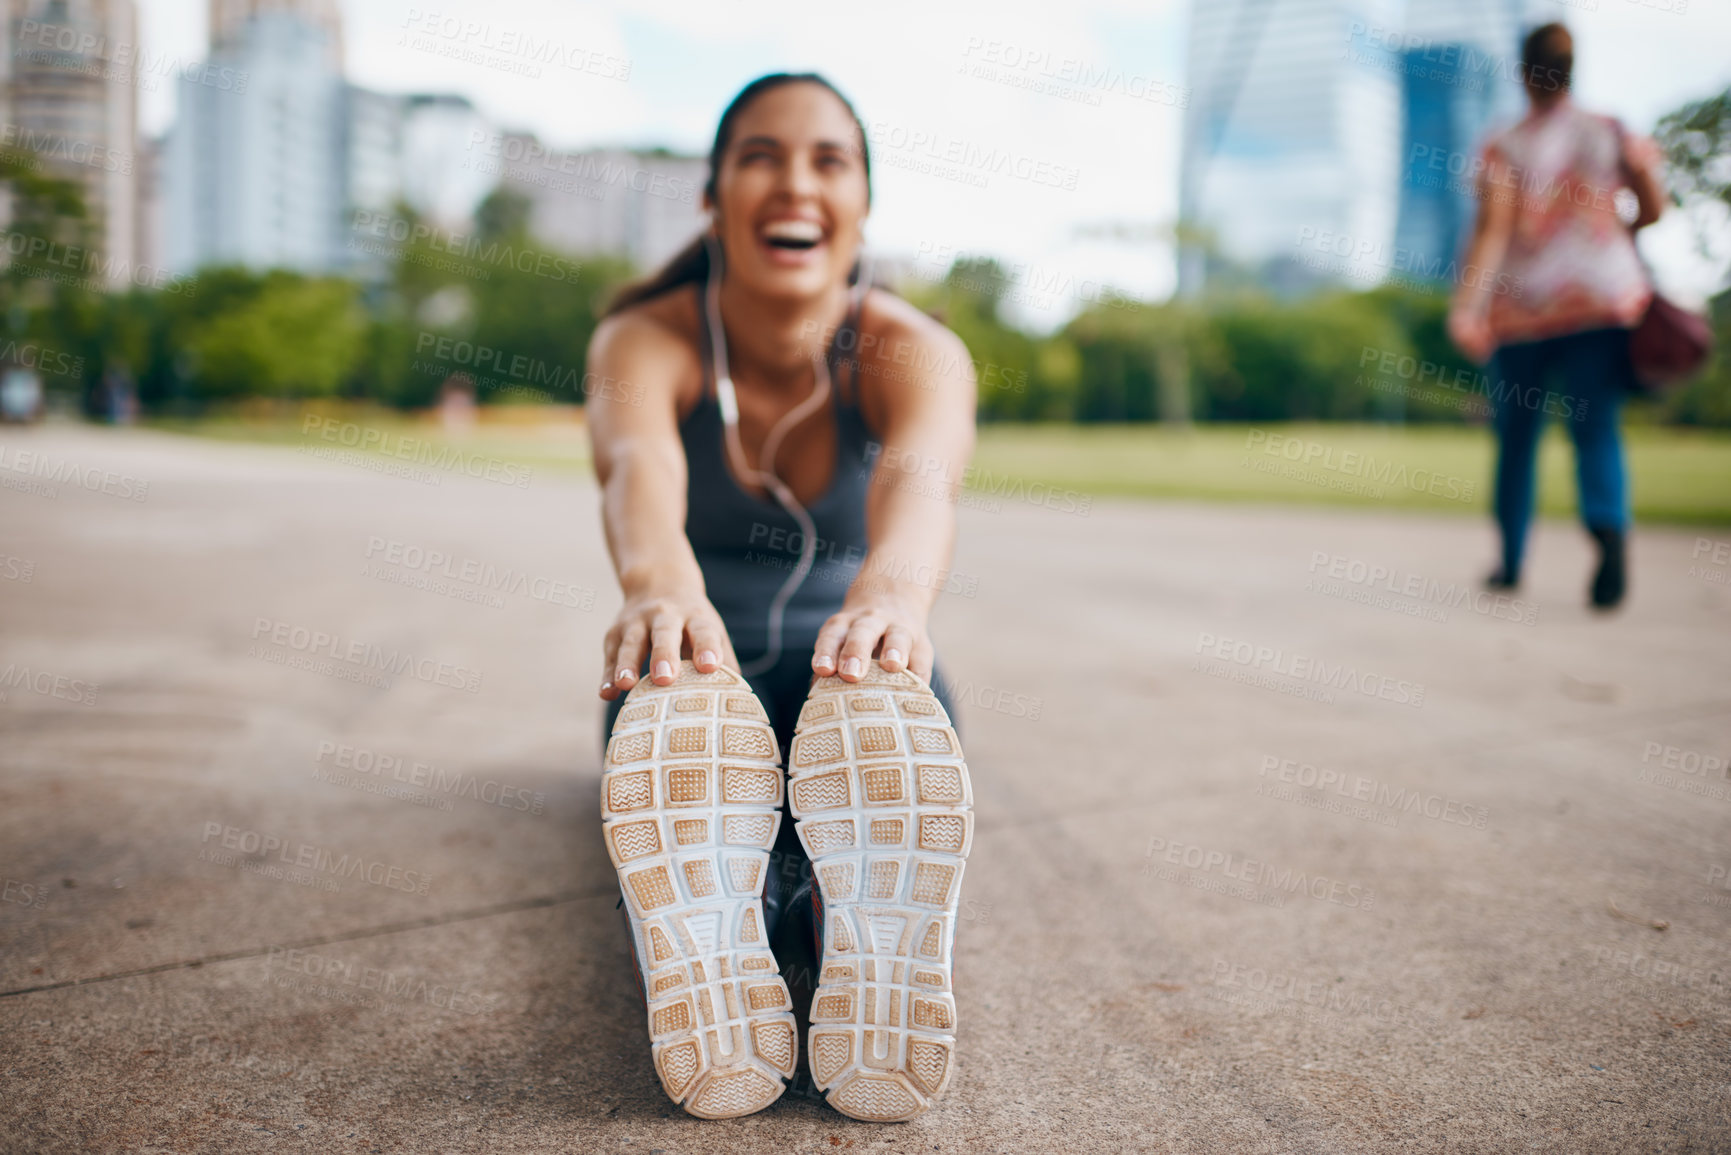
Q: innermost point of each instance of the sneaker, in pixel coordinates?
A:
(690, 803)
(881, 795)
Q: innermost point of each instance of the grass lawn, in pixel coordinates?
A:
(555, 441)
(1677, 476)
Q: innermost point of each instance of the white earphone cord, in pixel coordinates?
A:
(765, 475)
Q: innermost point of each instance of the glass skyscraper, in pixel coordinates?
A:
(1287, 136)
(1460, 79)
(1313, 129)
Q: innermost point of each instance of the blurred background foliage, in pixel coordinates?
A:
(230, 334)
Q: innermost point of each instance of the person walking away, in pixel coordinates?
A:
(1555, 287)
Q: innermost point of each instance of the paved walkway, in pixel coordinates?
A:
(1266, 860)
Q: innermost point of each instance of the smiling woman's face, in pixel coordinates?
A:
(792, 193)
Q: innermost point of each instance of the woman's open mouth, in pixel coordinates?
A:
(791, 242)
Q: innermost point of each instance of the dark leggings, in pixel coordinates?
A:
(1582, 378)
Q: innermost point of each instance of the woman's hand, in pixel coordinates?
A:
(667, 625)
(1471, 332)
(881, 625)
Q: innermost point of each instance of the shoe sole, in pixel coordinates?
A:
(690, 804)
(883, 807)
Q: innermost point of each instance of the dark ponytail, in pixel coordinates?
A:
(690, 265)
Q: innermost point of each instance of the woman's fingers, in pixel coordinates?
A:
(920, 660)
(708, 643)
(829, 639)
(898, 644)
(666, 632)
(862, 638)
(848, 641)
(629, 659)
(609, 655)
(656, 634)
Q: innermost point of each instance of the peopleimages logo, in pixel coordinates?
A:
(39, 258)
(360, 768)
(531, 47)
(417, 449)
(1366, 581)
(936, 477)
(595, 171)
(1684, 770)
(1322, 995)
(1067, 76)
(408, 564)
(33, 356)
(1017, 280)
(1365, 253)
(1352, 464)
(973, 161)
(1421, 373)
(48, 684)
(362, 656)
(1718, 554)
(1463, 65)
(926, 366)
(63, 472)
(347, 981)
(1257, 873)
(77, 50)
(29, 894)
(471, 355)
(469, 247)
(312, 856)
(1359, 788)
(33, 145)
(1276, 662)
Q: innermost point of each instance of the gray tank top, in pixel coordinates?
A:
(748, 547)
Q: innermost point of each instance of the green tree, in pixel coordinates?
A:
(1696, 140)
(292, 337)
(494, 304)
(49, 287)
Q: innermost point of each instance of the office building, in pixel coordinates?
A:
(255, 167)
(640, 205)
(71, 74)
(441, 175)
(229, 19)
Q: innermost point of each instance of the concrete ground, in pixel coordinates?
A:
(255, 904)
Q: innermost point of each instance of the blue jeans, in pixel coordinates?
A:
(1591, 376)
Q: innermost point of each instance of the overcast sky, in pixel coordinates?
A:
(902, 64)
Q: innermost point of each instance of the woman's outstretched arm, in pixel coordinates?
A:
(1642, 161)
(640, 464)
(918, 392)
(1469, 314)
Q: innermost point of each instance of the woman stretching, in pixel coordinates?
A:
(777, 579)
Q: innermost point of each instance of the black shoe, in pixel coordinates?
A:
(1501, 579)
(1611, 579)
